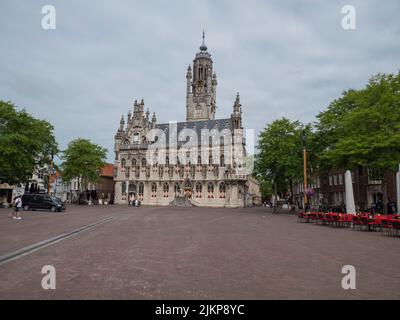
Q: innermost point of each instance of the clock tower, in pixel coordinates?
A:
(201, 87)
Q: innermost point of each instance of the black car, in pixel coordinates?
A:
(42, 201)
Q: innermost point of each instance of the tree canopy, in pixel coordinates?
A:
(25, 144)
(362, 128)
(83, 160)
(280, 148)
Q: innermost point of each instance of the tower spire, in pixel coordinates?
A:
(203, 46)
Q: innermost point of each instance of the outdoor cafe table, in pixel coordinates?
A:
(377, 220)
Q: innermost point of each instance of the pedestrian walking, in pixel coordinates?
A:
(17, 208)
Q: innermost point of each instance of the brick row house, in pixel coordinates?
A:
(371, 187)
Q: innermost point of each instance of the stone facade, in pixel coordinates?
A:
(155, 165)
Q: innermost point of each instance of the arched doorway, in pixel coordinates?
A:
(132, 192)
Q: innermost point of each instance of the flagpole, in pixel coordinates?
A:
(305, 176)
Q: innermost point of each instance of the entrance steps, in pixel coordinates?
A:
(181, 202)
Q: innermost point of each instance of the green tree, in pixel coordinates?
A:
(25, 144)
(280, 158)
(83, 160)
(362, 128)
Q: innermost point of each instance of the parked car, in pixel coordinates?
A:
(42, 201)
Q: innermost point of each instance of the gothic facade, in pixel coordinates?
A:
(202, 159)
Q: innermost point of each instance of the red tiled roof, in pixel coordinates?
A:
(107, 170)
(53, 177)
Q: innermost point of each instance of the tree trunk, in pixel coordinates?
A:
(275, 197)
(79, 190)
(291, 194)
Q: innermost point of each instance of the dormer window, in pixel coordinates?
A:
(136, 137)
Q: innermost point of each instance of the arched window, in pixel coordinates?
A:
(210, 159)
(222, 190)
(132, 188)
(210, 190)
(167, 160)
(153, 190)
(141, 191)
(134, 162)
(199, 160)
(166, 190)
(123, 188)
(177, 189)
(143, 162)
(222, 161)
(199, 189)
(188, 185)
(123, 163)
(155, 158)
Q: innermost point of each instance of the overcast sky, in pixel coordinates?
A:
(286, 58)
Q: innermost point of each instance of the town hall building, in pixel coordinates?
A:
(199, 162)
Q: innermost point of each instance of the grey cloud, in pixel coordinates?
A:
(286, 58)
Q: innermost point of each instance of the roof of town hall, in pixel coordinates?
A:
(197, 126)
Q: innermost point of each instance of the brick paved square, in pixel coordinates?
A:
(193, 253)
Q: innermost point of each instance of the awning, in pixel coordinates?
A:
(6, 186)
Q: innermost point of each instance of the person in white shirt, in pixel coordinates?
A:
(17, 208)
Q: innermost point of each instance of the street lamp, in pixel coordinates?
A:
(50, 172)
